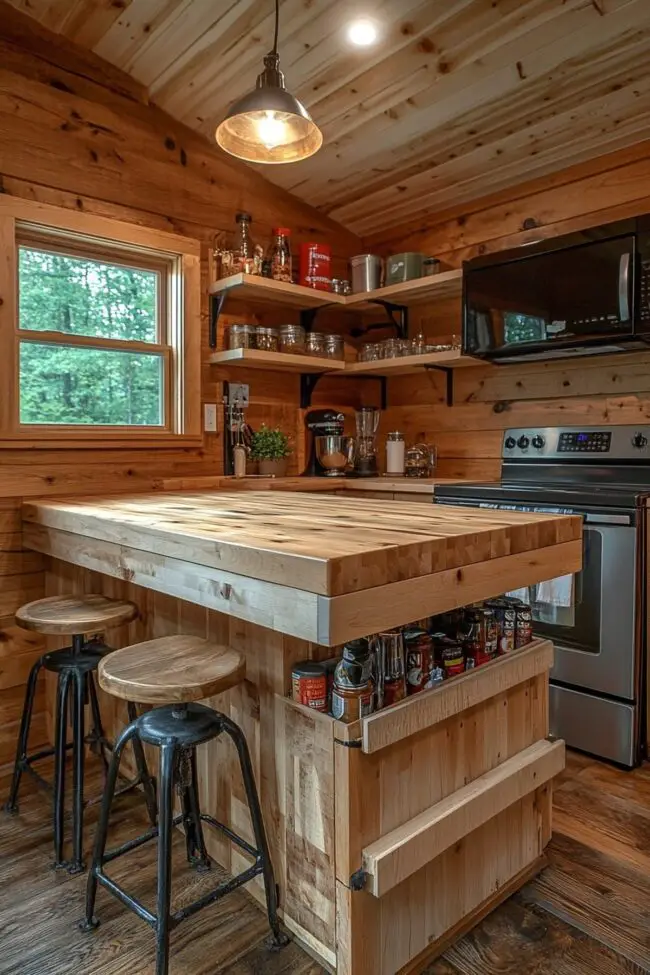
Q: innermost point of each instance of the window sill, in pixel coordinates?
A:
(98, 440)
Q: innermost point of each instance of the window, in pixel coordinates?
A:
(104, 331)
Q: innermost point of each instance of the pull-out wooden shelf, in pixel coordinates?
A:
(452, 782)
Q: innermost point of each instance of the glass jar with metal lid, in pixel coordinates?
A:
(241, 336)
(292, 339)
(333, 347)
(266, 339)
(315, 344)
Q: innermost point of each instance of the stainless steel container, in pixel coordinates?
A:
(366, 272)
(335, 454)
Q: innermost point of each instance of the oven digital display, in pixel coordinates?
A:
(592, 442)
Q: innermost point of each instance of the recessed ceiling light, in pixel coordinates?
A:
(363, 32)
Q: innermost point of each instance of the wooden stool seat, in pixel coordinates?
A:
(170, 670)
(75, 615)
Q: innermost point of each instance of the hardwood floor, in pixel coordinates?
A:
(587, 913)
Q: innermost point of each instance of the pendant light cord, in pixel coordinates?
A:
(277, 26)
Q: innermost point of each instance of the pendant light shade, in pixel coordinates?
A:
(269, 125)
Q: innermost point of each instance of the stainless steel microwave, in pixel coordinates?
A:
(581, 294)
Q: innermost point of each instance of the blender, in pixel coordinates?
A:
(367, 419)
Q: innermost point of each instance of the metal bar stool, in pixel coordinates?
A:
(182, 670)
(74, 666)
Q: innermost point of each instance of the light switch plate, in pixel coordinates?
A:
(210, 417)
(238, 394)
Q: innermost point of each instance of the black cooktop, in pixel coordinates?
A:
(605, 494)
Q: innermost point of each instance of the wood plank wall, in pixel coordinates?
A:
(76, 132)
(612, 389)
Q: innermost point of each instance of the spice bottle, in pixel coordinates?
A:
(280, 255)
(395, 453)
(239, 459)
(352, 693)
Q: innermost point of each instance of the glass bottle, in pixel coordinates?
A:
(247, 257)
(280, 255)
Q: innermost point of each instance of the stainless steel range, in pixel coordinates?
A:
(597, 622)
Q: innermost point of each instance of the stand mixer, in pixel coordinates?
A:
(367, 420)
(329, 454)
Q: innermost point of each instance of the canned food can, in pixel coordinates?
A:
(504, 614)
(491, 632)
(309, 685)
(523, 625)
(418, 649)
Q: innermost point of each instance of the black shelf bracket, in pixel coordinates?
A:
(450, 380)
(309, 315)
(216, 308)
(401, 323)
(309, 381)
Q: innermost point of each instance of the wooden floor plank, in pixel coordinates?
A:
(587, 914)
(602, 897)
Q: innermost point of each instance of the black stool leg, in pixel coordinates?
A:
(165, 816)
(197, 854)
(59, 765)
(77, 864)
(98, 739)
(23, 737)
(143, 769)
(99, 848)
(279, 939)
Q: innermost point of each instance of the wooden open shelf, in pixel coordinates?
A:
(285, 362)
(267, 291)
(275, 361)
(446, 284)
(410, 364)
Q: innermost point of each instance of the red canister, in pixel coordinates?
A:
(316, 266)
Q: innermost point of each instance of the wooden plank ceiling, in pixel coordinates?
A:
(460, 98)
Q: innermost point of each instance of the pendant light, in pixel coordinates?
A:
(269, 125)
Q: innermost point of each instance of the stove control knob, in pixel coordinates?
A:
(510, 443)
(639, 441)
(538, 442)
(523, 442)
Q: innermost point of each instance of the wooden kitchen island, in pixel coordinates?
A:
(391, 836)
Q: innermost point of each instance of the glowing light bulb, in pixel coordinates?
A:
(363, 33)
(272, 130)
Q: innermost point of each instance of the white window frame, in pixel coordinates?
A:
(178, 342)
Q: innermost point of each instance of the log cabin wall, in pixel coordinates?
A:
(76, 132)
(611, 389)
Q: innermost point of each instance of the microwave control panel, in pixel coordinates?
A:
(644, 290)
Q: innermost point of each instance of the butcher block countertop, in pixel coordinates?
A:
(321, 567)
(389, 484)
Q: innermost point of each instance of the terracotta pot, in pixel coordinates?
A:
(273, 468)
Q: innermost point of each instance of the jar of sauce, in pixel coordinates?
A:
(353, 690)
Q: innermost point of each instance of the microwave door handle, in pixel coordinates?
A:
(624, 287)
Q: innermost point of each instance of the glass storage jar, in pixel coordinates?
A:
(333, 346)
(371, 352)
(241, 336)
(280, 255)
(266, 339)
(292, 339)
(315, 344)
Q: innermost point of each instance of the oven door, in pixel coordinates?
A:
(595, 638)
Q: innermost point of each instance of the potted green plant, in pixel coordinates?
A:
(270, 448)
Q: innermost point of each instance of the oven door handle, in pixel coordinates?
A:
(624, 287)
(594, 519)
